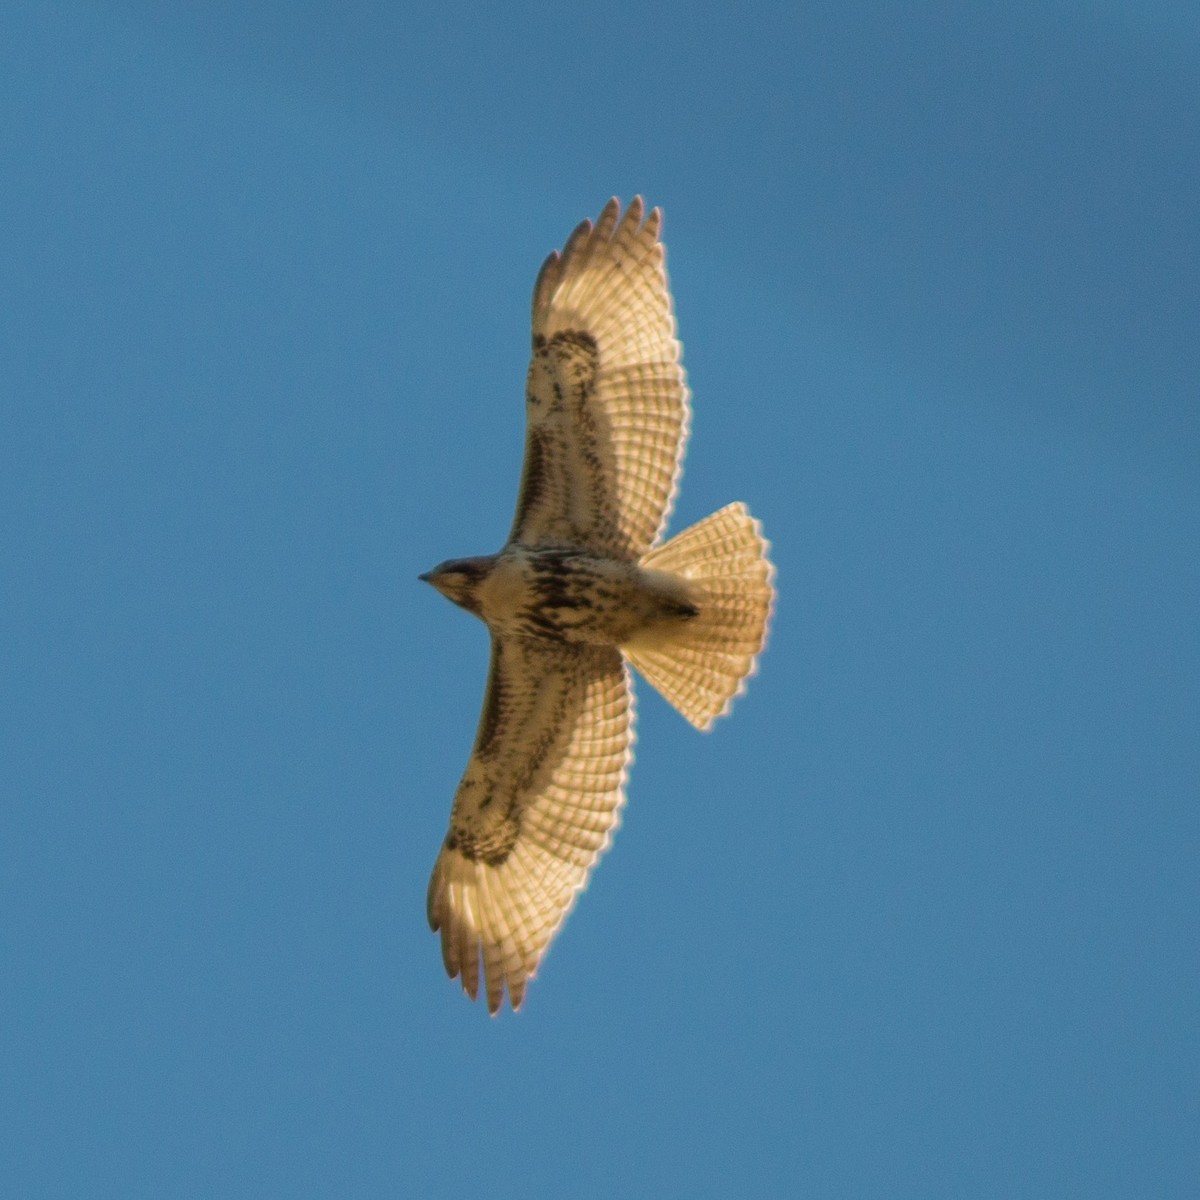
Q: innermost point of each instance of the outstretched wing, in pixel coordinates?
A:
(536, 807)
(606, 397)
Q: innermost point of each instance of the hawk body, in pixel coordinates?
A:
(566, 595)
(582, 588)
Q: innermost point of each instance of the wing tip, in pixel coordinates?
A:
(462, 942)
(635, 225)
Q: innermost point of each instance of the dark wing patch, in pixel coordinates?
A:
(566, 491)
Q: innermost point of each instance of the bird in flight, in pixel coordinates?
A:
(583, 587)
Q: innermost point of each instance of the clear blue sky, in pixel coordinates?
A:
(921, 919)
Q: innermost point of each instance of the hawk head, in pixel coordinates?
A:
(459, 579)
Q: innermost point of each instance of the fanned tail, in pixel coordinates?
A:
(705, 663)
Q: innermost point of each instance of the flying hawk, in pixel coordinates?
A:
(583, 586)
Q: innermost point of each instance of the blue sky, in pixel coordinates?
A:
(920, 920)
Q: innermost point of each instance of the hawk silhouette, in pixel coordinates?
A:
(583, 587)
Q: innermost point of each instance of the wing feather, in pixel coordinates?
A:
(607, 404)
(537, 806)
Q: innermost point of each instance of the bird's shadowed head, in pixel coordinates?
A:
(459, 579)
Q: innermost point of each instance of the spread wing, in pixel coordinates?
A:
(606, 397)
(536, 807)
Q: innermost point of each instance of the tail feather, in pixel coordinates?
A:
(707, 660)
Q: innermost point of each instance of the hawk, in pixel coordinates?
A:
(583, 587)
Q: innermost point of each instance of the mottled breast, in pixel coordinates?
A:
(576, 597)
